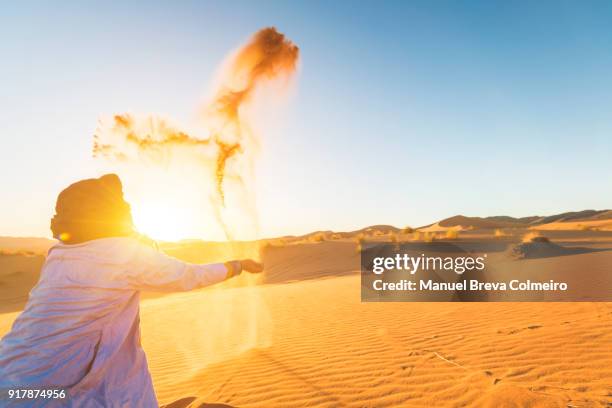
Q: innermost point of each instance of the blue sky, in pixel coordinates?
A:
(404, 112)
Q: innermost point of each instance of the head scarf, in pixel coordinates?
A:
(91, 209)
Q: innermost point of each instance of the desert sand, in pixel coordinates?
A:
(299, 336)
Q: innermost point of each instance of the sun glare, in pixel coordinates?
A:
(171, 203)
(163, 221)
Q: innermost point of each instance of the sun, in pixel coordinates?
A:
(171, 203)
(163, 221)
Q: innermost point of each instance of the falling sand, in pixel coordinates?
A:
(223, 146)
(220, 151)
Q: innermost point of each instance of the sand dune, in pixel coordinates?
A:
(18, 274)
(575, 220)
(437, 227)
(300, 337)
(327, 349)
(594, 225)
(26, 244)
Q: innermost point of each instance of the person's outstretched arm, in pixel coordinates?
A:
(155, 271)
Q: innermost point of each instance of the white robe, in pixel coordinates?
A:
(80, 328)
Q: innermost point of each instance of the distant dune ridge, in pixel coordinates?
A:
(569, 221)
(17, 244)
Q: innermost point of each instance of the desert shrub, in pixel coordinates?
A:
(319, 237)
(499, 233)
(394, 239)
(407, 230)
(359, 241)
(534, 236)
(273, 243)
(452, 234)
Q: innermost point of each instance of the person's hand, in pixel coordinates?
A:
(252, 266)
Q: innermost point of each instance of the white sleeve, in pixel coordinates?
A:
(155, 271)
